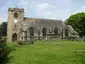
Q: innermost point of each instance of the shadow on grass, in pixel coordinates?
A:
(25, 42)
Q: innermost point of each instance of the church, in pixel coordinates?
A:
(22, 28)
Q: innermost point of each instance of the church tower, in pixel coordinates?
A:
(15, 18)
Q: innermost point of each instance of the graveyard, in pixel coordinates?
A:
(42, 32)
(48, 52)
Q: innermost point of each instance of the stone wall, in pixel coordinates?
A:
(35, 28)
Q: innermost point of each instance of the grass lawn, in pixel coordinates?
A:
(48, 52)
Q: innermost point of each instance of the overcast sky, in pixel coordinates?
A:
(49, 9)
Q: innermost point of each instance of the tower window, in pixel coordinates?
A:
(15, 15)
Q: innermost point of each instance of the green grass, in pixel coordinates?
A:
(48, 52)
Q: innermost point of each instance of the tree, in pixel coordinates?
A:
(3, 29)
(77, 21)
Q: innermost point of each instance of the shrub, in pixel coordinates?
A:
(4, 50)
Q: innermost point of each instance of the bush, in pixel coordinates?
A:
(4, 50)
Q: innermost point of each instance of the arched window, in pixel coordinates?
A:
(14, 37)
(44, 31)
(31, 31)
(55, 31)
(15, 15)
(66, 32)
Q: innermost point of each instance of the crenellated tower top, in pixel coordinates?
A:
(16, 9)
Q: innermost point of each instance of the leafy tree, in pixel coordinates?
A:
(77, 21)
(3, 29)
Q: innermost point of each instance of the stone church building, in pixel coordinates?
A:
(21, 28)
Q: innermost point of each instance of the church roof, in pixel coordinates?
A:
(37, 22)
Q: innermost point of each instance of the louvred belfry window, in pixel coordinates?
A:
(15, 15)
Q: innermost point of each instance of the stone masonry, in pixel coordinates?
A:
(21, 28)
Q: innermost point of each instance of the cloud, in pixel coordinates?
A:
(45, 6)
(44, 9)
(50, 11)
(81, 9)
(23, 2)
(3, 2)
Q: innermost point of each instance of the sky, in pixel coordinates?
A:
(48, 9)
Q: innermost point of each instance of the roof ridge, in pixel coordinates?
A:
(41, 19)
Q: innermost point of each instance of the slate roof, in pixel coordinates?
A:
(37, 22)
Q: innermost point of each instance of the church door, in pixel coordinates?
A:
(14, 37)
